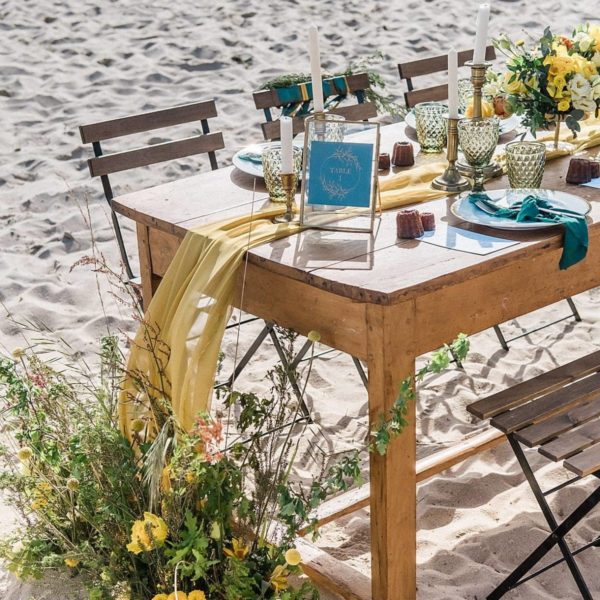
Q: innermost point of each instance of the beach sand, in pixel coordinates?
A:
(64, 63)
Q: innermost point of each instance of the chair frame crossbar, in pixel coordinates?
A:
(558, 532)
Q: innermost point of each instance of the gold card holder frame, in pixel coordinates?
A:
(344, 138)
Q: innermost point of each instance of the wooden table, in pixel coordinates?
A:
(384, 301)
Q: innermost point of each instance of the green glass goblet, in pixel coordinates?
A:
(525, 164)
(431, 126)
(478, 139)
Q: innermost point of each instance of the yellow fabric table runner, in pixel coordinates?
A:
(192, 305)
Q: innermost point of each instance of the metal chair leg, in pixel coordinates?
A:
(574, 310)
(361, 372)
(501, 337)
(541, 499)
(554, 538)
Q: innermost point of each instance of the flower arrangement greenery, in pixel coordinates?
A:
(555, 78)
(210, 513)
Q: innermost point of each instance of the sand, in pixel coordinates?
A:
(64, 63)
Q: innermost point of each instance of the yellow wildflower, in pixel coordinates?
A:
(279, 578)
(138, 425)
(160, 597)
(177, 596)
(72, 484)
(239, 550)
(215, 531)
(190, 477)
(24, 453)
(292, 557)
(314, 336)
(18, 352)
(147, 534)
(71, 562)
(196, 595)
(200, 504)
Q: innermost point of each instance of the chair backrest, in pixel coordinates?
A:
(427, 66)
(103, 165)
(295, 100)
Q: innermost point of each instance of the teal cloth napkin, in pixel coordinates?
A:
(253, 157)
(575, 241)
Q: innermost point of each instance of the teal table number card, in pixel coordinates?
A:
(341, 174)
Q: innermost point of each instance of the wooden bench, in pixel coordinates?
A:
(558, 413)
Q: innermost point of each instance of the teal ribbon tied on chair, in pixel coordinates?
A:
(296, 99)
(533, 209)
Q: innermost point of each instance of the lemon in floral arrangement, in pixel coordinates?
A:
(487, 109)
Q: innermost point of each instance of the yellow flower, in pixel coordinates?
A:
(215, 531)
(160, 597)
(520, 43)
(196, 595)
(292, 557)
(177, 596)
(18, 352)
(512, 87)
(138, 425)
(239, 550)
(147, 534)
(564, 105)
(71, 562)
(594, 32)
(314, 336)
(72, 484)
(24, 453)
(279, 578)
(190, 477)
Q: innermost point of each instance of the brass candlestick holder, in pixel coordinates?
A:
(478, 79)
(451, 180)
(289, 183)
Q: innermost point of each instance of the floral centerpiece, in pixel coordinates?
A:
(554, 79)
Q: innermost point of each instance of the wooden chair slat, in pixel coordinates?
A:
(435, 64)
(542, 384)
(436, 93)
(269, 98)
(573, 441)
(353, 112)
(586, 462)
(550, 428)
(141, 157)
(556, 402)
(157, 119)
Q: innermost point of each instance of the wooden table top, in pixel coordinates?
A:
(376, 268)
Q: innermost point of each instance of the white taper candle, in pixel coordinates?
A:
(483, 17)
(315, 68)
(286, 134)
(452, 84)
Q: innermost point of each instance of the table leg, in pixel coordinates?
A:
(150, 281)
(393, 476)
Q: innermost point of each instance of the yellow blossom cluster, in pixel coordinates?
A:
(195, 595)
(147, 534)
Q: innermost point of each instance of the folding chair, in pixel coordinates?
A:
(295, 101)
(558, 413)
(103, 165)
(435, 64)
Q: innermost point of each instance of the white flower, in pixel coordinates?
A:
(596, 59)
(584, 104)
(584, 40)
(492, 89)
(580, 87)
(596, 87)
(18, 547)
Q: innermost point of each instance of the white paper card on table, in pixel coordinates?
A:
(595, 183)
(465, 240)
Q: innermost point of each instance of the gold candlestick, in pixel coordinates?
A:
(451, 180)
(289, 183)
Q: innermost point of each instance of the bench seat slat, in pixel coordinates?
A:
(540, 433)
(586, 462)
(542, 384)
(559, 401)
(572, 442)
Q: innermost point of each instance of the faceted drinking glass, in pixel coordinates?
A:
(431, 126)
(478, 139)
(525, 164)
(271, 161)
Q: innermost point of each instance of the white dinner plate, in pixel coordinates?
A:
(465, 210)
(247, 166)
(506, 125)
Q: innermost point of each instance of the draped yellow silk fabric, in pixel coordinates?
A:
(192, 305)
